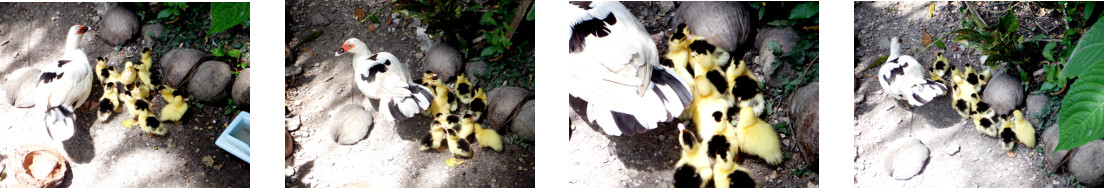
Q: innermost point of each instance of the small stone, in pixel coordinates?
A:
(1035, 105)
(953, 150)
(349, 124)
(208, 160)
(907, 160)
(317, 19)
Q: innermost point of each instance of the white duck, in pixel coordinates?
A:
(382, 76)
(613, 65)
(903, 78)
(64, 85)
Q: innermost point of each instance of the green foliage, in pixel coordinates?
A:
(999, 40)
(231, 108)
(1054, 80)
(227, 14)
(1089, 52)
(782, 128)
(1082, 111)
(171, 10)
(801, 172)
(804, 10)
(517, 140)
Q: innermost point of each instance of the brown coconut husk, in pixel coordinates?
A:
(38, 165)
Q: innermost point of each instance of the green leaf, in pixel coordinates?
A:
(374, 19)
(234, 53)
(1089, 51)
(1082, 113)
(217, 52)
(940, 44)
(227, 14)
(488, 51)
(487, 19)
(762, 11)
(1048, 51)
(774, 47)
(1089, 6)
(532, 15)
(804, 10)
(164, 14)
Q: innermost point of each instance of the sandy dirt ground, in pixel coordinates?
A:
(389, 156)
(648, 159)
(960, 156)
(106, 153)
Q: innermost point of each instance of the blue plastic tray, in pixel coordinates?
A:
(235, 139)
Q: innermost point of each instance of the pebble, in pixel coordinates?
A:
(953, 151)
(908, 160)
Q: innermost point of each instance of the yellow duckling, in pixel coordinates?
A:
(758, 138)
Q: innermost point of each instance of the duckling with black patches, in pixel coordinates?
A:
(1007, 136)
(464, 89)
(109, 102)
(693, 168)
(939, 67)
(729, 174)
(678, 53)
(459, 146)
(478, 104)
(984, 118)
(433, 139)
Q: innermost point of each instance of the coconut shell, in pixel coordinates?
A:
(289, 144)
(240, 90)
(209, 82)
(177, 62)
(725, 24)
(502, 101)
(1050, 141)
(1004, 93)
(38, 165)
(806, 126)
(1087, 164)
(118, 26)
(444, 60)
(524, 120)
(349, 124)
(19, 87)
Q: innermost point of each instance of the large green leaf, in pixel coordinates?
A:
(1089, 51)
(804, 10)
(1081, 119)
(227, 14)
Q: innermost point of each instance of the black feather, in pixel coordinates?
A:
(718, 145)
(717, 79)
(594, 26)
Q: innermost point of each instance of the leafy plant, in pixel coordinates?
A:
(227, 14)
(171, 10)
(231, 108)
(1082, 111)
(999, 40)
(1054, 79)
(801, 172)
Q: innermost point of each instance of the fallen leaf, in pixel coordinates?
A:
(360, 14)
(931, 10)
(372, 28)
(927, 38)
